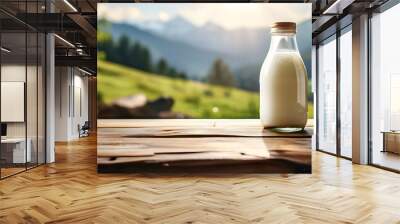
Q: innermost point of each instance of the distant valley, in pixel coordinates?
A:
(193, 49)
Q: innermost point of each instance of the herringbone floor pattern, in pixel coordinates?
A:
(70, 191)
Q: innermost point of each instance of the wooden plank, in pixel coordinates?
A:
(199, 143)
(132, 123)
(290, 148)
(179, 132)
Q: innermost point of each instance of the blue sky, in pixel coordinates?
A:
(227, 15)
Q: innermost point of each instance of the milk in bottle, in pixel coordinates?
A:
(283, 82)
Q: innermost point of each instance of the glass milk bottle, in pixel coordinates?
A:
(283, 82)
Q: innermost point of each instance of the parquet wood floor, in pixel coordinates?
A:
(71, 191)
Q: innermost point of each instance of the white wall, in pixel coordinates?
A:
(14, 73)
(33, 126)
(62, 82)
(71, 94)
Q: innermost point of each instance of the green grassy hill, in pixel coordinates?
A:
(196, 99)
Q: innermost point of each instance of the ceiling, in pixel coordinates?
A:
(75, 21)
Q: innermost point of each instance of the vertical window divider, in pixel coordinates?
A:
(26, 86)
(369, 96)
(338, 74)
(73, 92)
(45, 94)
(316, 97)
(46, 3)
(69, 93)
(60, 88)
(80, 103)
(37, 90)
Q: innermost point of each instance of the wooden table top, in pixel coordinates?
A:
(200, 145)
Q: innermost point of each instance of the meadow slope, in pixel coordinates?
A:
(196, 99)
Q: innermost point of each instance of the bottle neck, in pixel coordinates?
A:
(284, 42)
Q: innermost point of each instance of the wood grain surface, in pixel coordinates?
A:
(200, 146)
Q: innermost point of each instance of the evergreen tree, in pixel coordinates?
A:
(135, 55)
(172, 72)
(182, 75)
(132, 54)
(123, 50)
(162, 67)
(220, 74)
(145, 59)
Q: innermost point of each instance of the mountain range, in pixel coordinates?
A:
(193, 49)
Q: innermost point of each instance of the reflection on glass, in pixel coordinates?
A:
(385, 114)
(395, 102)
(327, 96)
(22, 91)
(346, 94)
(14, 153)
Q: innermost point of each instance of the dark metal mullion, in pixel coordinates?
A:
(45, 90)
(316, 117)
(45, 93)
(385, 168)
(37, 91)
(69, 93)
(13, 174)
(338, 91)
(26, 87)
(369, 97)
(334, 154)
(385, 6)
(73, 92)
(60, 88)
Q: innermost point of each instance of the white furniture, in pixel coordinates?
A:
(18, 150)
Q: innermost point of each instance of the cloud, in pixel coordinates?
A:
(236, 15)
(118, 14)
(227, 15)
(163, 16)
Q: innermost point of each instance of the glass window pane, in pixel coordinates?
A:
(386, 89)
(13, 86)
(346, 94)
(31, 97)
(23, 90)
(327, 96)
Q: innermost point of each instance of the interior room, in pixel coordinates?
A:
(22, 99)
(27, 107)
(53, 119)
(384, 89)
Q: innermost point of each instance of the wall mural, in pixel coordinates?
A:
(201, 61)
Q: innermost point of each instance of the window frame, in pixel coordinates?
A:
(339, 32)
(380, 9)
